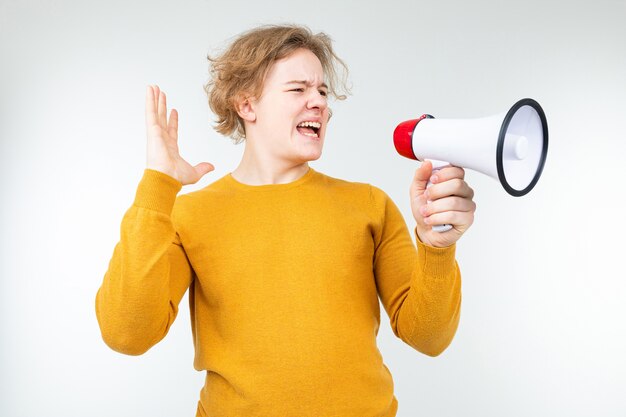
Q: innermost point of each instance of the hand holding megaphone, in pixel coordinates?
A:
(511, 146)
(448, 200)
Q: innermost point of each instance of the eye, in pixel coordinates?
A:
(298, 90)
(323, 93)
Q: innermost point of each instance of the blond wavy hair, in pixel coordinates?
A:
(241, 70)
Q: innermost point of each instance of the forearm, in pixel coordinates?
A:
(430, 313)
(135, 305)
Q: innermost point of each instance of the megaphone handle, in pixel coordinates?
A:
(437, 165)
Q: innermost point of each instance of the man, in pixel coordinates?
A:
(284, 264)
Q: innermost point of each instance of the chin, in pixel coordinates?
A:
(309, 156)
(308, 151)
(315, 158)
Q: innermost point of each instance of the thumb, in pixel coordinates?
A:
(420, 180)
(203, 168)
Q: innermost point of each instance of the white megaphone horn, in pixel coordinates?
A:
(510, 146)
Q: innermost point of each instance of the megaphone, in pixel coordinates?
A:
(510, 146)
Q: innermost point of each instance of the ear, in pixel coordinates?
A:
(245, 109)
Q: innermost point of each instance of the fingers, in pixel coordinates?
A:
(172, 125)
(155, 106)
(448, 173)
(156, 110)
(455, 218)
(449, 199)
(150, 106)
(420, 179)
(199, 171)
(423, 172)
(453, 187)
(155, 95)
(204, 168)
(455, 204)
(162, 109)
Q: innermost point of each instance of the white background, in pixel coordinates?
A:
(543, 329)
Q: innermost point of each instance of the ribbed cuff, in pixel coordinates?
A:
(436, 261)
(157, 191)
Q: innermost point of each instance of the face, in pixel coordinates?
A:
(291, 115)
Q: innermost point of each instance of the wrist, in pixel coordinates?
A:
(422, 236)
(157, 191)
(162, 170)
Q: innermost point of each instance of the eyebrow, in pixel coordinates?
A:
(305, 83)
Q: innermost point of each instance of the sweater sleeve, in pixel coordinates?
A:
(420, 289)
(148, 273)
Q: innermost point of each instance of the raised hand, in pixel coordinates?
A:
(162, 147)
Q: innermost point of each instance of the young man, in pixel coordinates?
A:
(284, 265)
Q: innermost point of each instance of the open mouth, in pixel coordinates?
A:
(309, 129)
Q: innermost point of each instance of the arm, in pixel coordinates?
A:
(148, 273)
(420, 290)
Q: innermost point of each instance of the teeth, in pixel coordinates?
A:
(310, 124)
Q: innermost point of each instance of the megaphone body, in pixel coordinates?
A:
(510, 146)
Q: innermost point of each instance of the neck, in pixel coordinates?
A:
(257, 169)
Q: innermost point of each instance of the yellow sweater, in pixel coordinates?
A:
(283, 281)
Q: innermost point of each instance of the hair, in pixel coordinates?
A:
(241, 69)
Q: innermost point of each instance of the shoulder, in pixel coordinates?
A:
(346, 186)
(189, 203)
(362, 192)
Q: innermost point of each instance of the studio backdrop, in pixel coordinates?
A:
(542, 328)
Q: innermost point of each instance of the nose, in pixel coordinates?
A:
(317, 101)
